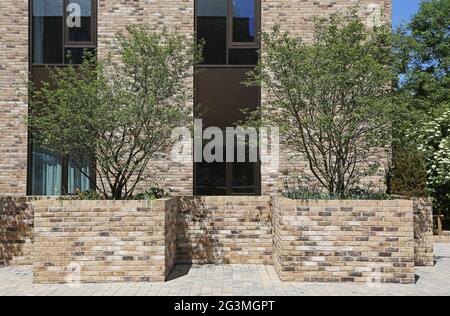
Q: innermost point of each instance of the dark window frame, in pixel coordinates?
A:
(34, 66)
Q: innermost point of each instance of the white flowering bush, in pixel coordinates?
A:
(433, 139)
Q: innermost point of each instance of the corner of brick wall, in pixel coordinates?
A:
(171, 210)
(423, 232)
(344, 241)
(16, 231)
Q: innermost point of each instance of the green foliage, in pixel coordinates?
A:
(151, 194)
(83, 196)
(309, 192)
(423, 48)
(407, 176)
(119, 111)
(433, 138)
(331, 98)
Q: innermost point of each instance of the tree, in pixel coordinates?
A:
(118, 112)
(330, 97)
(423, 48)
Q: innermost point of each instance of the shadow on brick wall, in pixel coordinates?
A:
(16, 228)
(196, 244)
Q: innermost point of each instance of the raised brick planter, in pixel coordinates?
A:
(344, 241)
(104, 241)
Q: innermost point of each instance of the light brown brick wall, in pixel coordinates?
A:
(297, 16)
(13, 94)
(344, 241)
(103, 241)
(235, 230)
(306, 241)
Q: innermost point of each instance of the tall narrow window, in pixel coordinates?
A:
(61, 31)
(78, 176)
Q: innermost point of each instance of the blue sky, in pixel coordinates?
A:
(402, 10)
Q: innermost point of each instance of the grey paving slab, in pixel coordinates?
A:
(229, 280)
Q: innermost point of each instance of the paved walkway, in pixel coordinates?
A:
(247, 280)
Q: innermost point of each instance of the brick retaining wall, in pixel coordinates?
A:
(344, 241)
(103, 241)
(140, 241)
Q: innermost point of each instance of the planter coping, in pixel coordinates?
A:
(103, 203)
(281, 201)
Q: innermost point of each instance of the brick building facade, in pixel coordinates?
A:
(112, 16)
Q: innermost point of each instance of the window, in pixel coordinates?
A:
(243, 21)
(79, 22)
(60, 27)
(212, 29)
(61, 32)
(229, 30)
(47, 32)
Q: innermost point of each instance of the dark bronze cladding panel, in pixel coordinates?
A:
(221, 96)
